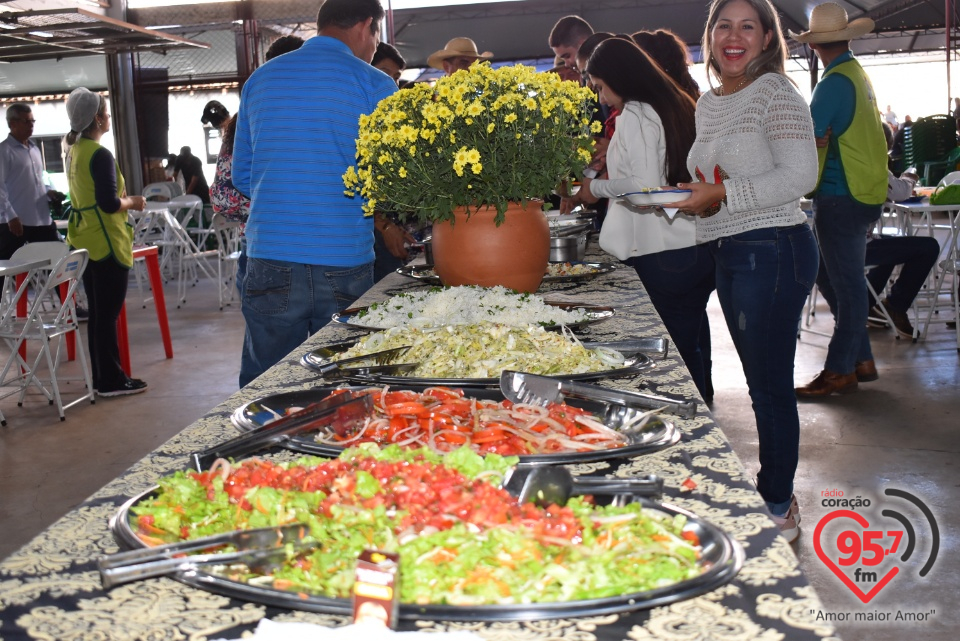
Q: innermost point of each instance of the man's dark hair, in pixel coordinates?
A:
(388, 51)
(343, 14)
(591, 43)
(569, 31)
(282, 45)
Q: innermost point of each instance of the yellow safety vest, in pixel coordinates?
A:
(103, 235)
(862, 148)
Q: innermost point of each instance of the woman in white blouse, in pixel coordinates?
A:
(649, 148)
(753, 158)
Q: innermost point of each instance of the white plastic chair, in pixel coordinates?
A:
(162, 192)
(190, 260)
(47, 330)
(950, 179)
(228, 249)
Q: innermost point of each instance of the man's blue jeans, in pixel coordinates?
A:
(842, 225)
(284, 303)
(763, 279)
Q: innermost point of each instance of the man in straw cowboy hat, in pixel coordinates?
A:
(458, 54)
(850, 192)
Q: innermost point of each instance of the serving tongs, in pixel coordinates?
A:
(377, 362)
(521, 387)
(562, 231)
(653, 347)
(546, 485)
(336, 413)
(257, 549)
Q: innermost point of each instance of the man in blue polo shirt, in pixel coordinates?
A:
(310, 248)
(850, 192)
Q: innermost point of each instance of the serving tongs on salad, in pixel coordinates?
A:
(258, 549)
(545, 485)
(336, 413)
(374, 363)
(652, 347)
(532, 389)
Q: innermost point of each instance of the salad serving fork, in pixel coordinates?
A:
(532, 389)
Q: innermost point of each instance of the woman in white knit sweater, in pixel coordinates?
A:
(753, 158)
(649, 148)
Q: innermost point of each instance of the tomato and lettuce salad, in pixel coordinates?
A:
(443, 419)
(462, 540)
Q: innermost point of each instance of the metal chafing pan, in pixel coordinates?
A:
(656, 434)
(721, 560)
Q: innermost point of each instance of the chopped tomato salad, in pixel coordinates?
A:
(462, 540)
(443, 419)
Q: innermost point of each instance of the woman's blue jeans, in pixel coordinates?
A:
(285, 303)
(763, 279)
(842, 225)
(679, 282)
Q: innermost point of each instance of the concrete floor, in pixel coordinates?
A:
(900, 431)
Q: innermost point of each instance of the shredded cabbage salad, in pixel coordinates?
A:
(483, 350)
(461, 539)
(466, 305)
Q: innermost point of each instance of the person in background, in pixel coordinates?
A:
(566, 73)
(891, 118)
(98, 223)
(224, 197)
(851, 189)
(215, 114)
(388, 60)
(457, 55)
(655, 130)
(309, 246)
(754, 158)
(567, 36)
(916, 254)
(669, 51)
(282, 45)
(191, 168)
(24, 196)
(956, 112)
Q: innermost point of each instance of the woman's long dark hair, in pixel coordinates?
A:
(228, 132)
(670, 52)
(632, 75)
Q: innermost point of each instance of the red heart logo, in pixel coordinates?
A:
(837, 514)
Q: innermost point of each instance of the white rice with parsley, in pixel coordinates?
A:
(465, 305)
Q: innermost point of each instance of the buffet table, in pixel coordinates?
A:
(50, 589)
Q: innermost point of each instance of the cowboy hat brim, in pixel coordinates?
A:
(436, 58)
(855, 29)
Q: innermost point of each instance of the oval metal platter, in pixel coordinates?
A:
(634, 364)
(655, 435)
(426, 274)
(595, 314)
(721, 559)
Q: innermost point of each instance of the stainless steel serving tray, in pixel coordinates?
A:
(635, 363)
(721, 558)
(595, 314)
(426, 275)
(657, 434)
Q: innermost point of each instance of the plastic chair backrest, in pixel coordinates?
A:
(51, 250)
(68, 268)
(952, 178)
(159, 191)
(228, 234)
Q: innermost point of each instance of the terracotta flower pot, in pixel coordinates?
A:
(475, 251)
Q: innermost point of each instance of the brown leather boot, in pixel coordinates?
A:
(866, 371)
(826, 383)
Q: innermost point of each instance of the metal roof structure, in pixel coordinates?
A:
(66, 32)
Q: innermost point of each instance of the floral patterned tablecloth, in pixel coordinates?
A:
(50, 588)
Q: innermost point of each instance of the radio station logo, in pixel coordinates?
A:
(866, 554)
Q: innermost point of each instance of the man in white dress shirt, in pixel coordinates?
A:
(24, 198)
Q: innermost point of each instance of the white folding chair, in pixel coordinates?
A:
(190, 259)
(162, 191)
(47, 330)
(228, 250)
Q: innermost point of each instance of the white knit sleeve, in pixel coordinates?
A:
(788, 133)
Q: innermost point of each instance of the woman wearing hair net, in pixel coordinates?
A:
(98, 223)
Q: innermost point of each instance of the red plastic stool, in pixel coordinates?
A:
(149, 255)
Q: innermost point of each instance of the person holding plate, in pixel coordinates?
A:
(675, 271)
(754, 157)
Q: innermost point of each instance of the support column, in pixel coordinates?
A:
(123, 108)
